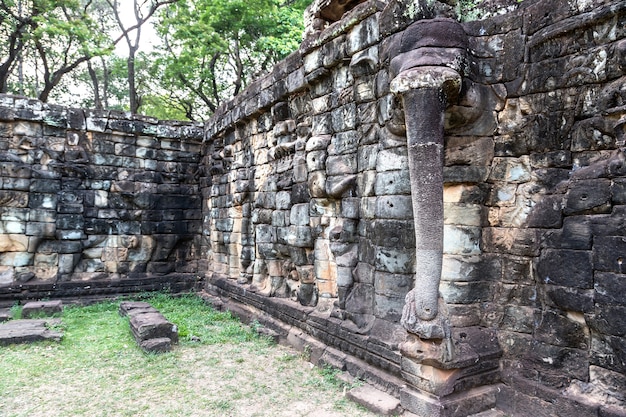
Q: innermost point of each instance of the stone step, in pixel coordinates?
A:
(375, 400)
(490, 413)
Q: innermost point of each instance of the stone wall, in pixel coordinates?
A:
(555, 203)
(298, 206)
(95, 202)
(309, 212)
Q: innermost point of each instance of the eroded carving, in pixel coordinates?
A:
(427, 76)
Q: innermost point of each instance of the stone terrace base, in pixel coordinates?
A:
(457, 405)
(93, 290)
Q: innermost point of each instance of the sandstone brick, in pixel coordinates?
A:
(566, 267)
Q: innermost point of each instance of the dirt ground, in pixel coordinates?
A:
(244, 379)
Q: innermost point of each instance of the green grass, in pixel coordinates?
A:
(220, 368)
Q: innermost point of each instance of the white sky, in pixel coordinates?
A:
(149, 38)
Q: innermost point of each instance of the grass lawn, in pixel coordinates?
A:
(219, 368)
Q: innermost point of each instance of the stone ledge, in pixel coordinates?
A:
(292, 323)
(330, 331)
(97, 289)
(457, 405)
(375, 400)
(5, 314)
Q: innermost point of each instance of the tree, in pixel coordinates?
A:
(14, 24)
(48, 39)
(142, 11)
(213, 48)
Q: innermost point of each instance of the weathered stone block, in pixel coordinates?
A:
(13, 198)
(396, 261)
(608, 287)
(341, 164)
(13, 243)
(344, 120)
(522, 242)
(461, 240)
(157, 345)
(300, 236)
(363, 35)
(394, 159)
(609, 319)
(571, 299)
(394, 207)
(547, 213)
(42, 308)
(360, 300)
(608, 352)
(465, 292)
(392, 183)
(563, 330)
(511, 170)
(588, 196)
(566, 267)
(470, 268)
(12, 227)
(28, 331)
(393, 285)
(548, 360)
(608, 253)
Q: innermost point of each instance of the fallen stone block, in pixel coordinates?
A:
(158, 345)
(269, 334)
(151, 330)
(29, 330)
(42, 308)
(152, 326)
(127, 308)
(5, 314)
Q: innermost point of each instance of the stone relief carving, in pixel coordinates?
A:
(427, 75)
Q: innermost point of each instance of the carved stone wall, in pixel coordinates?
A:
(298, 208)
(95, 203)
(554, 203)
(310, 221)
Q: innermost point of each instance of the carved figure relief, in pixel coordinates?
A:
(427, 76)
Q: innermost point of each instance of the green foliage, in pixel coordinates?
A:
(213, 48)
(198, 322)
(44, 40)
(210, 50)
(16, 311)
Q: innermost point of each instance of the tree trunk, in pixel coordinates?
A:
(105, 82)
(132, 89)
(96, 86)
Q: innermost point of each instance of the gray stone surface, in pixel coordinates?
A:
(28, 331)
(375, 400)
(5, 314)
(42, 308)
(151, 330)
